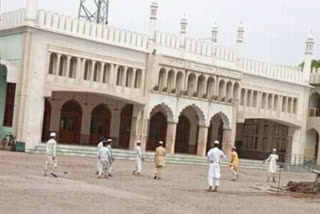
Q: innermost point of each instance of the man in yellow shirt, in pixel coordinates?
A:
(234, 163)
(159, 160)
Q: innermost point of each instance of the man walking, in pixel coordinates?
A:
(273, 165)
(159, 160)
(214, 156)
(51, 161)
(99, 146)
(109, 142)
(139, 159)
(234, 163)
(104, 157)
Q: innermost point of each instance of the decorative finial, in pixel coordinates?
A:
(240, 33)
(183, 24)
(214, 32)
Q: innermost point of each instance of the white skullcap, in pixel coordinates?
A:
(53, 134)
(139, 141)
(161, 142)
(109, 140)
(274, 150)
(216, 142)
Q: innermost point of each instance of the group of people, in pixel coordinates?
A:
(105, 160)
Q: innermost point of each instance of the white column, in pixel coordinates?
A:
(202, 141)
(67, 71)
(58, 65)
(171, 137)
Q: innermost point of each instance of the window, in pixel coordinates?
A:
(9, 105)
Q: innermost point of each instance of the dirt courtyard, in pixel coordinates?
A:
(23, 189)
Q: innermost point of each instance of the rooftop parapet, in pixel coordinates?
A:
(293, 74)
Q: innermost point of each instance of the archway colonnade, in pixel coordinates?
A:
(198, 85)
(97, 71)
(268, 101)
(189, 133)
(82, 119)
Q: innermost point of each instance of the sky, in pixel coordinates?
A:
(275, 30)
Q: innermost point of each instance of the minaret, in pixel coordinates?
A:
(183, 25)
(31, 12)
(214, 33)
(153, 19)
(240, 34)
(308, 57)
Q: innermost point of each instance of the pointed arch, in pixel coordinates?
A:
(171, 81)
(165, 109)
(200, 114)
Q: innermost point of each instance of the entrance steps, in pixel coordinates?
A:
(89, 151)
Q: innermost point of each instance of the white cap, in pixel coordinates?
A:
(53, 134)
(161, 142)
(109, 140)
(139, 141)
(216, 142)
(274, 150)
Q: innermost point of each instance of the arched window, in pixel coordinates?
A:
(73, 67)
(243, 95)
(179, 82)
(171, 81)
(63, 65)
(270, 102)
(263, 101)
(106, 71)
(97, 72)
(276, 103)
(229, 92)
(120, 75)
(53, 63)
(236, 89)
(284, 104)
(201, 86)
(138, 79)
(129, 78)
(191, 84)
(210, 88)
(162, 79)
(289, 108)
(295, 106)
(255, 99)
(222, 94)
(249, 94)
(87, 70)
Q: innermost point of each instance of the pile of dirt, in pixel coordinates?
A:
(303, 187)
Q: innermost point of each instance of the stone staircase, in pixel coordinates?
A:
(89, 151)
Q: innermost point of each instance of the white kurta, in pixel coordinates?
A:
(51, 148)
(99, 147)
(273, 163)
(214, 156)
(104, 157)
(138, 159)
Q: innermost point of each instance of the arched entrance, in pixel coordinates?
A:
(100, 123)
(183, 135)
(157, 130)
(70, 123)
(215, 131)
(125, 127)
(187, 132)
(46, 120)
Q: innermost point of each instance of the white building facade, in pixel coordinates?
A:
(85, 80)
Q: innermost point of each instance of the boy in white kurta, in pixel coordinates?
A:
(214, 174)
(273, 158)
(109, 141)
(139, 159)
(51, 150)
(104, 157)
(99, 146)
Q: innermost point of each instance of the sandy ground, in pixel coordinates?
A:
(23, 189)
